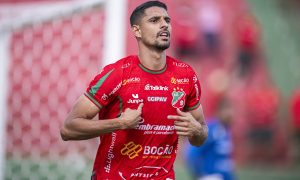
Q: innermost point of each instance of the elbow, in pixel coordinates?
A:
(198, 141)
(64, 133)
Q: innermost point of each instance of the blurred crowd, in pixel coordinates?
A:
(222, 40)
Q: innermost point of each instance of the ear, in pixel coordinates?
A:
(136, 31)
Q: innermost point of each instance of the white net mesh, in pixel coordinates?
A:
(51, 63)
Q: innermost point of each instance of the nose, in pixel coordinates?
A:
(164, 24)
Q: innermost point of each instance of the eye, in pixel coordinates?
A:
(168, 20)
(153, 20)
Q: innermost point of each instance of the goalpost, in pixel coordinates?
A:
(49, 51)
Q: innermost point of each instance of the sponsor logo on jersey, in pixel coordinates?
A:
(115, 89)
(155, 127)
(149, 87)
(110, 154)
(179, 81)
(197, 92)
(131, 80)
(126, 65)
(140, 172)
(135, 99)
(104, 97)
(143, 175)
(195, 79)
(157, 99)
(131, 150)
(158, 150)
(179, 64)
(178, 100)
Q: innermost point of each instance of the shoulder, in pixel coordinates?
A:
(182, 69)
(177, 63)
(120, 65)
(180, 65)
(123, 63)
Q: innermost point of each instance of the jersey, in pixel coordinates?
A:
(149, 150)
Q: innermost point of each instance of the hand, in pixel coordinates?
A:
(185, 124)
(131, 117)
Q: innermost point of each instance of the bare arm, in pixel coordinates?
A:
(79, 124)
(192, 125)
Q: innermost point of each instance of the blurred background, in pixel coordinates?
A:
(244, 51)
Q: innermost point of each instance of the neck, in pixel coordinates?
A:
(152, 59)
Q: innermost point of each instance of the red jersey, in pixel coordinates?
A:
(149, 151)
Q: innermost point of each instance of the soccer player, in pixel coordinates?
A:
(213, 160)
(144, 102)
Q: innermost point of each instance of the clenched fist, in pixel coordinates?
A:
(130, 118)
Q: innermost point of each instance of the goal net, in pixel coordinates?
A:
(54, 49)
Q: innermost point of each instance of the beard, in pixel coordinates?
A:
(157, 44)
(162, 46)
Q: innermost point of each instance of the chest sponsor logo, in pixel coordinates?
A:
(155, 128)
(132, 150)
(149, 87)
(135, 99)
(156, 99)
(178, 98)
(131, 80)
(179, 81)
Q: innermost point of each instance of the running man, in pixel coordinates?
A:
(144, 103)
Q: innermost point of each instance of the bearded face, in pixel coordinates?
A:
(155, 29)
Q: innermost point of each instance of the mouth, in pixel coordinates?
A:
(164, 34)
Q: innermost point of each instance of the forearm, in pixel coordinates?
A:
(81, 129)
(200, 136)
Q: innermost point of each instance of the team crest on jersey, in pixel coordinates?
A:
(178, 100)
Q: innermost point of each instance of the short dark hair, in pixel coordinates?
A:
(139, 11)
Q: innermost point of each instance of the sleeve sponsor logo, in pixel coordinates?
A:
(104, 97)
(195, 79)
(115, 89)
(149, 87)
(178, 96)
(180, 81)
(131, 80)
(197, 92)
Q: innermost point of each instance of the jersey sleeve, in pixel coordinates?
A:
(104, 87)
(193, 98)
